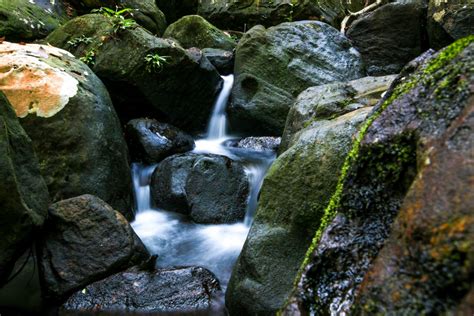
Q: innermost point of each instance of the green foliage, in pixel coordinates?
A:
(155, 62)
(80, 40)
(119, 18)
(89, 57)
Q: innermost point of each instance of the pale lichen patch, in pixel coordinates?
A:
(31, 85)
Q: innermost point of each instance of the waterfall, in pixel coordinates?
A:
(180, 242)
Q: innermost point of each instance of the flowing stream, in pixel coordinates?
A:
(172, 236)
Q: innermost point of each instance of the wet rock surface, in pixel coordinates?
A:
(382, 39)
(84, 241)
(184, 290)
(257, 143)
(414, 116)
(195, 31)
(295, 191)
(210, 188)
(221, 59)
(24, 196)
(150, 141)
(180, 90)
(67, 112)
(332, 100)
(272, 66)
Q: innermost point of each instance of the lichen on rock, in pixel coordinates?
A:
(31, 84)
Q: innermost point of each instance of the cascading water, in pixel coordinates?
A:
(173, 237)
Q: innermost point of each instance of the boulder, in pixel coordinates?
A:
(26, 20)
(221, 59)
(195, 31)
(158, 78)
(295, 191)
(67, 112)
(210, 188)
(331, 100)
(390, 36)
(257, 143)
(84, 241)
(24, 196)
(150, 141)
(145, 12)
(175, 9)
(191, 289)
(428, 102)
(272, 66)
(449, 21)
(242, 15)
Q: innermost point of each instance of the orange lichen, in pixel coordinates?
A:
(31, 84)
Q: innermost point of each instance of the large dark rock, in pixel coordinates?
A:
(23, 193)
(84, 241)
(180, 90)
(420, 112)
(272, 66)
(389, 37)
(150, 141)
(242, 15)
(449, 21)
(175, 9)
(221, 59)
(67, 112)
(145, 12)
(24, 20)
(332, 100)
(295, 191)
(195, 31)
(181, 290)
(210, 188)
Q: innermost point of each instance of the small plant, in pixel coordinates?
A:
(155, 62)
(80, 40)
(89, 57)
(118, 17)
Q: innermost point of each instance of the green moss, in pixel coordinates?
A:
(432, 73)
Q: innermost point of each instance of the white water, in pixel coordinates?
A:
(173, 237)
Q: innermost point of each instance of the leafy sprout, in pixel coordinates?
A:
(155, 62)
(118, 17)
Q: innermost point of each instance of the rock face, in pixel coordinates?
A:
(449, 21)
(176, 290)
(23, 20)
(180, 90)
(242, 15)
(406, 135)
(150, 141)
(23, 195)
(195, 31)
(221, 59)
(67, 112)
(294, 193)
(382, 38)
(145, 12)
(272, 66)
(331, 100)
(84, 241)
(210, 188)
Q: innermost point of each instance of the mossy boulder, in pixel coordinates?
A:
(332, 100)
(145, 12)
(195, 31)
(449, 21)
(272, 66)
(67, 112)
(24, 195)
(180, 90)
(242, 15)
(26, 20)
(293, 196)
(428, 102)
(84, 241)
(390, 36)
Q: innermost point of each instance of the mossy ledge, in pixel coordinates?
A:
(430, 74)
